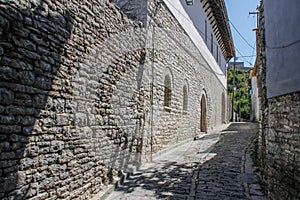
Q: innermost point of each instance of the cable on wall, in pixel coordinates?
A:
(283, 46)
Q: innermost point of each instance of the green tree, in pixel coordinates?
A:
(242, 96)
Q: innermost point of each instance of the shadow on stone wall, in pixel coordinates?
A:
(32, 42)
(122, 116)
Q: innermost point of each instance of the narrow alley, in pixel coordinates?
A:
(138, 99)
(217, 166)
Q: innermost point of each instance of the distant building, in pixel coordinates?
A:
(238, 66)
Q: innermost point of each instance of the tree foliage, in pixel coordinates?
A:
(242, 96)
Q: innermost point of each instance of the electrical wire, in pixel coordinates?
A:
(209, 38)
(236, 49)
(253, 51)
(191, 22)
(284, 46)
(241, 35)
(236, 29)
(242, 56)
(251, 56)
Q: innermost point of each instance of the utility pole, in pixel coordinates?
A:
(240, 112)
(257, 17)
(233, 89)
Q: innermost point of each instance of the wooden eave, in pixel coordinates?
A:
(217, 15)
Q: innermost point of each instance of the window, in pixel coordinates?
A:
(167, 91)
(217, 57)
(185, 98)
(206, 32)
(212, 43)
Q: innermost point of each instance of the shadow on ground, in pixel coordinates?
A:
(216, 178)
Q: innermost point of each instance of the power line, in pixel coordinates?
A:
(253, 48)
(236, 29)
(242, 56)
(191, 22)
(241, 35)
(237, 50)
(251, 56)
(209, 38)
(188, 50)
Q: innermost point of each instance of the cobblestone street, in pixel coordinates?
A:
(213, 167)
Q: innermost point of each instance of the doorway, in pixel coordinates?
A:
(203, 125)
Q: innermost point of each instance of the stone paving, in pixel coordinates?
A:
(217, 166)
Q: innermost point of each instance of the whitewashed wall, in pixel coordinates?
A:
(282, 32)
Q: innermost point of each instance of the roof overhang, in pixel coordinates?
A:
(217, 15)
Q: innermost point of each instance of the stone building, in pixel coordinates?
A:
(237, 65)
(90, 89)
(279, 98)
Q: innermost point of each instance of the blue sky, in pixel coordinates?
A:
(238, 13)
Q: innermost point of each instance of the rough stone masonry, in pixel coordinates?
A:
(278, 146)
(82, 94)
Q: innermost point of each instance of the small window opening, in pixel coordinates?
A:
(167, 92)
(185, 99)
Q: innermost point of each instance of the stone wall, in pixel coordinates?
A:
(175, 55)
(278, 150)
(282, 146)
(81, 94)
(59, 137)
(135, 10)
(262, 93)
